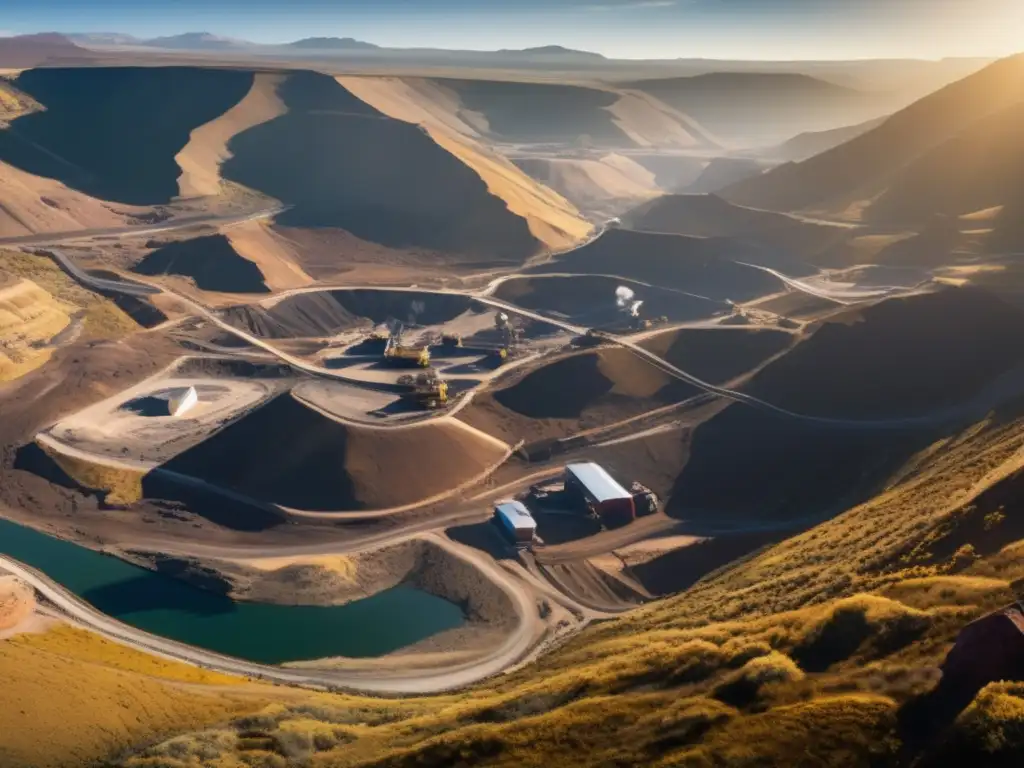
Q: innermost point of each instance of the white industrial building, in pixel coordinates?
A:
(516, 521)
(180, 401)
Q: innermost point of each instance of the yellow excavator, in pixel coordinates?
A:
(426, 389)
(403, 354)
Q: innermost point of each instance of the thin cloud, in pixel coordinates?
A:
(630, 6)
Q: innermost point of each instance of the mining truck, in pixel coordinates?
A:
(427, 390)
(406, 354)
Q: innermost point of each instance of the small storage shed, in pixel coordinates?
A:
(515, 521)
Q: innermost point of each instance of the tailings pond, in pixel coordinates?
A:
(269, 634)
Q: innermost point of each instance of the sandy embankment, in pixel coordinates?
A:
(207, 148)
(18, 609)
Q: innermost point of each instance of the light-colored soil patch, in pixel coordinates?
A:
(644, 551)
(122, 429)
(201, 158)
(344, 401)
(32, 204)
(272, 253)
(417, 100)
(17, 603)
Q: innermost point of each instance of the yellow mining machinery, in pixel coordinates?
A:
(406, 354)
(426, 389)
(510, 336)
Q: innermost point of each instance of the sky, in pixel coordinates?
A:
(733, 29)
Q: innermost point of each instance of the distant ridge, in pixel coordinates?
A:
(199, 41)
(552, 50)
(332, 43)
(25, 51)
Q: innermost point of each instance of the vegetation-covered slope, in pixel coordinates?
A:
(811, 652)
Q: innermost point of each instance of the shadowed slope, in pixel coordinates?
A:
(113, 133)
(701, 266)
(340, 163)
(210, 261)
(287, 454)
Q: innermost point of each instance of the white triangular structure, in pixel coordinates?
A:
(181, 401)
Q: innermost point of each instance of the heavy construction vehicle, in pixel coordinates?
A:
(451, 340)
(427, 390)
(510, 336)
(403, 354)
(645, 501)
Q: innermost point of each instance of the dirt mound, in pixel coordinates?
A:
(305, 315)
(758, 108)
(568, 387)
(287, 454)
(696, 265)
(113, 133)
(210, 261)
(863, 168)
(309, 156)
(899, 358)
(590, 300)
(712, 216)
(578, 392)
(718, 355)
(325, 313)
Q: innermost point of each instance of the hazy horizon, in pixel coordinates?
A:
(631, 29)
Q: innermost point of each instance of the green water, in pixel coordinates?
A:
(269, 634)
